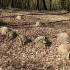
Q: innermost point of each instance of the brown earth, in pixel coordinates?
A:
(30, 57)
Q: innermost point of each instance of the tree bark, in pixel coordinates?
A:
(50, 4)
(10, 4)
(28, 6)
(44, 5)
(37, 4)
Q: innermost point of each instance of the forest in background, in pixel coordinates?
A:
(36, 4)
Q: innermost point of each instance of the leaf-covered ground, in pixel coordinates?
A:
(30, 57)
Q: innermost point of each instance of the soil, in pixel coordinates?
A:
(30, 57)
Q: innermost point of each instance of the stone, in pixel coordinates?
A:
(21, 39)
(1, 68)
(18, 17)
(39, 23)
(4, 30)
(64, 50)
(63, 37)
(11, 35)
(41, 41)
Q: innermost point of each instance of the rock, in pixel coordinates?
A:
(18, 17)
(41, 41)
(11, 35)
(39, 23)
(21, 39)
(4, 30)
(1, 68)
(63, 37)
(64, 50)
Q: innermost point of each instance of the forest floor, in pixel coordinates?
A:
(29, 57)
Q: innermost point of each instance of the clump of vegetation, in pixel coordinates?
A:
(21, 39)
(11, 35)
(41, 41)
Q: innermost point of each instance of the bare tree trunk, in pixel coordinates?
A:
(27, 5)
(10, 4)
(37, 4)
(50, 4)
(44, 5)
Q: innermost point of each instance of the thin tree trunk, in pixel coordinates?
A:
(50, 4)
(28, 5)
(37, 4)
(10, 4)
(44, 5)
